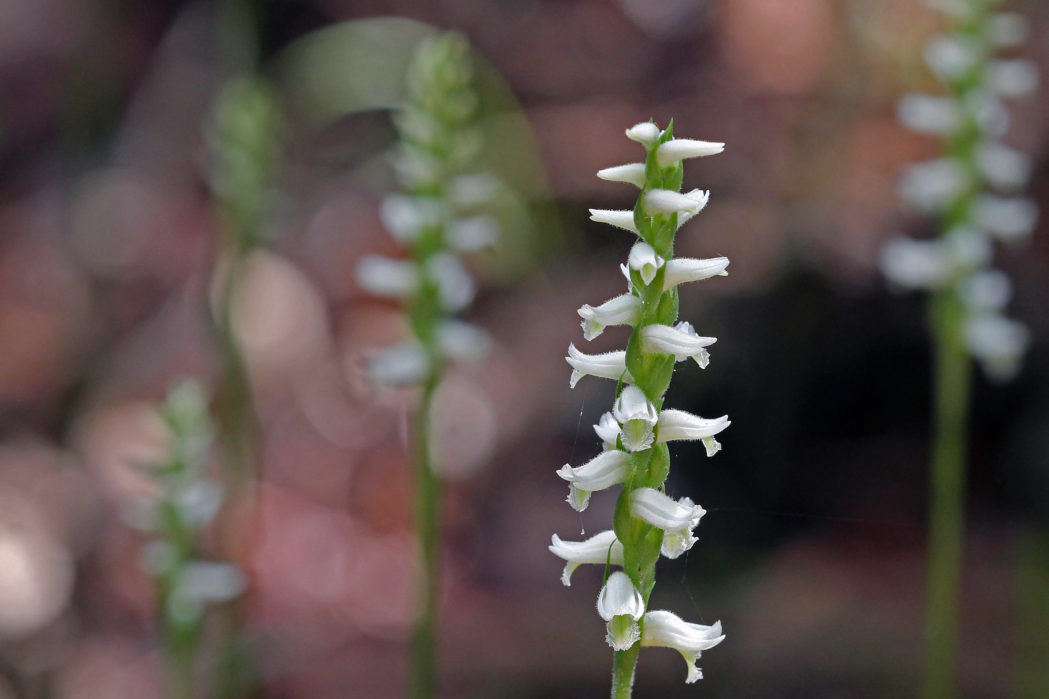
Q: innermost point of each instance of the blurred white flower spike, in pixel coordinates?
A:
(965, 187)
(635, 432)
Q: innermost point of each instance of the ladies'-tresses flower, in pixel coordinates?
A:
(603, 471)
(621, 605)
(663, 629)
(621, 310)
(600, 549)
(607, 365)
(679, 425)
(644, 260)
(680, 341)
(635, 433)
(637, 416)
(677, 518)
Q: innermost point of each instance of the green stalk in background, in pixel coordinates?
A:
(435, 218)
(635, 433)
(966, 296)
(244, 139)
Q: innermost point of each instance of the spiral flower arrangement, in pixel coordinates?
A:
(636, 432)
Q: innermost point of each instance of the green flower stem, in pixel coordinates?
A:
(428, 512)
(652, 373)
(947, 494)
(1032, 594)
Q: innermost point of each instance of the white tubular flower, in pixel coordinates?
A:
(644, 259)
(620, 219)
(209, 582)
(621, 605)
(401, 365)
(621, 310)
(986, 292)
(599, 549)
(664, 201)
(472, 234)
(1008, 29)
(645, 133)
(405, 217)
(454, 285)
(632, 173)
(468, 191)
(608, 365)
(915, 264)
(998, 343)
(1012, 78)
(387, 277)
(989, 112)
(968, 248)
(1003, 166)
(680, 341)
(677, 518)
(938, 116)
(1006, 218)
(636, 413)
(686, 269)
(679, 149)
(461, 341)
(679, 425)
(950, 57)
(603, 471)
(701, 197)
(665, 629)
(934, 184)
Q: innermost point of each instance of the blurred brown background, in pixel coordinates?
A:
(811, 551)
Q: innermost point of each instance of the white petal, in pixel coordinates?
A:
(680, 425)
(664, 512)
(989, 112)
(1004, 167)
(927, 114)
(473, 190)
(712, 446)
(384, 276)
(607, 429)
(621, 310)
(472, 234)
(213, 582)
(664, 201)
(679, 149)
(987, 291)
(1012, 78)
(644, 259)
(603, 471)
(620, 219)
(950, 57)
(405, 216)
(967, 248)
(1008, 29)
(680, 341)
(401, 365)
(998, 343)
(663, 629)
(932, 185)
(1006, 218)
(461, 341)
(645, 133)
(454, 285)
(599, 549)
(686, 269)
(915, 264)
(632, 173)
(701, 197)
(608, 365)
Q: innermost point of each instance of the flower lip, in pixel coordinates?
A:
(620, 310)
(663, 629)
(608, 430)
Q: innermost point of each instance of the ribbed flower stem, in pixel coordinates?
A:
(624, 663)
(428, 511)
(947, 493)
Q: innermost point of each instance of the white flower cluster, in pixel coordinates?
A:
(974, 187)
(637, 426)
(436, 217)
